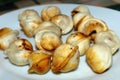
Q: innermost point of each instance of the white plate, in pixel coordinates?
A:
(12, 72)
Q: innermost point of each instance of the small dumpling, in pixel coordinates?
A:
(48, 36)
(64, 22)
(109, 38)
(65, 58)
(78, 18)
(7, 36)
(80, 40)
(48, 12)
(91, 26)
(40, 62)
(47, 40)
(99, 58)
(49, 26)
(29, 21)
(80, 9)
(19, 51)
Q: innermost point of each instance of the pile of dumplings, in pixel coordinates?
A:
(87, 36)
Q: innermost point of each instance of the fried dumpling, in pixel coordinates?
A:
(78, 18)
(49, 26)
(7, 36)
(80, 9)
(48, 12)
(91, 26)
(64, 22)
(109, 38)
(48, 37)
(65, 58)
(29, 21)
(39, 61)
(79, 14)
(47, 40)
(80, 40)
(99, 57)
(19, 51)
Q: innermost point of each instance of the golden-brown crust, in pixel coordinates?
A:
(91, 25)
(26, 44)
(99, 57)
(7, 36)
(75, 37)
(49, 12)
(50, 26)
(72, 64)
(29, 31)
(39, 62)
(80, 40)
(79, 18)
(50, 42)
(4, 31)
(47, 40)
(62, 56)
(64, 22)
(48, 36)
(109, 38)
(19, 51)
(80, 9)
(29, 21)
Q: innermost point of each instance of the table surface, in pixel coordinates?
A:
(113, 4)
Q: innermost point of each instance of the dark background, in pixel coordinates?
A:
(8, 5)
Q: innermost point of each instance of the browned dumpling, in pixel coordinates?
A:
(78, 18)
(79, 15)
(19, 51)
(80, 9)
(47, 40)
(7, 36)
(49, 26)
(80, 40)
(49, 12)
(64, 22)
(65, 58)
(29, 21)
(39, 61)
(109, 38)
(48, 36)
(99, 57)
(91, 26)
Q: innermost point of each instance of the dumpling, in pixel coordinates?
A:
(91, 26)
(80, 40)
(29, 21)
(80, 9)
(109, 38)
(40, 62)
(49, 26)
(7, 36)
(65, 58)
(64, 22)
(79, 14)
(78, 18)
(48, 12)
(47, 40)
(19, 51)
(99, 57)
(48, 36)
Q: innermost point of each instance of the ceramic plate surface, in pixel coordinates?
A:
(9, 71)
